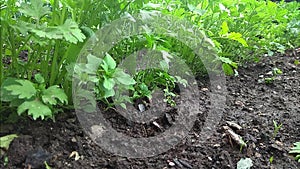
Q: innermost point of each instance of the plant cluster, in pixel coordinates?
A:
(43, 39)
(253, 25)
(34, 98)
(106, 78)
(273, 75)
(149, 80)
(111, 81)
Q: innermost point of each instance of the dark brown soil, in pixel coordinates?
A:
(250, 104)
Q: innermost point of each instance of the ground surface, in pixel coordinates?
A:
(250, 104)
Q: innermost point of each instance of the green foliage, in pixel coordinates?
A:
(149, 80)
(110, 76)
(24, 89)
(243, 29)
(35, 109)
(142, 90)
(277, 71)
(46, 165)
(52, 94)
(47, 34)
(68, 31)
(296, 150)
(274, 73)
(276, 128)
(228, 65)
(154, 78)
(5, 160)
(269, 80)
(112, 81)
(105, 74)
(52, 33)
(271, 159)
(224, 33)
(35, 9)
(37, 100)
(6, 140)
(242, 144)
(240, 30)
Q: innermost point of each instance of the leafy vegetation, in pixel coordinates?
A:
(112, 81)
(6, 140)
(273, 75)
(41, 40)
(34, 97)
(156, 79)
(4, 145)
(106, 77)
(296, 150)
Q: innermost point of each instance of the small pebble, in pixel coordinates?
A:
(209, 158)
(141, 107)
(172, 164)
(216, 145)
(73, 140)
(257, 155)
(204, 89)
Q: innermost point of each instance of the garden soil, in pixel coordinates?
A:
(251, 103)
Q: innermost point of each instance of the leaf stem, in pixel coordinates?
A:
(14, 53)
(1, 57)
(54, 67)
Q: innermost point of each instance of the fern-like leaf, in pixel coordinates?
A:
(35, 109)
(54, 93)
(24, 89)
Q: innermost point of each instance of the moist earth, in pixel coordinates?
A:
(250, 103)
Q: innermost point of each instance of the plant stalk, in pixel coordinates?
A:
(54, 67)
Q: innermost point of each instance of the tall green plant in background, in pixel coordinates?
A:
(267, 27)
(241, 30)
(41, 34)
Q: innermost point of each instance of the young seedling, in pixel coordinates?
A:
(275, 73)
(4, 145)
(46, 165)
(268, 80)
(271, 159)
(242, 144)
(5, 161)
(276, 128)
(237, 138)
